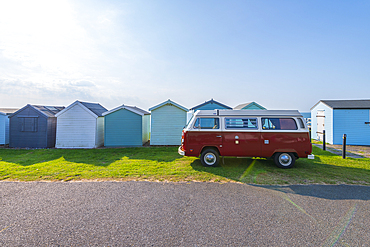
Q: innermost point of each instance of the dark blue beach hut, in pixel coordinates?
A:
(33, 126)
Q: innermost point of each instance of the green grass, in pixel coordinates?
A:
(164, 164)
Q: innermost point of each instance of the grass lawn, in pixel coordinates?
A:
(164, 164)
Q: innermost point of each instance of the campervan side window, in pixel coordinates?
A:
(301, 124)
(278, 124)
(241, 123)
(207, 123)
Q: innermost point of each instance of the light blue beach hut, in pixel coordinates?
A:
(4, 124)
(4, 129)
(167, 121)
(126, 126)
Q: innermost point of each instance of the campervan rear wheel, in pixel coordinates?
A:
(210, 157)
(284, 160)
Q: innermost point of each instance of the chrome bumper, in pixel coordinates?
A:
(180, 151)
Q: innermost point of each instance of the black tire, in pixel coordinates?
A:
(210, 157)
(284, 160)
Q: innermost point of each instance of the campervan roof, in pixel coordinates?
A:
(290, 113)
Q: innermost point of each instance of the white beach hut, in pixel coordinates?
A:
(80, 125)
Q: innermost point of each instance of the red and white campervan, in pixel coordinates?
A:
(280, 134)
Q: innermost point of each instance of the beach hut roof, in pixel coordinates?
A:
(211, 101)
(133, 109)
(168, 102)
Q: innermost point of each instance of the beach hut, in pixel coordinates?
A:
(33, 126)
(126, 126)
(167, 121)
(207, 105)
(4, 128)
(80, 125)
(249, 106)
(210, 105)
(4, 124)
(338, 117)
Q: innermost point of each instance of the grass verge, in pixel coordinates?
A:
(164, 164)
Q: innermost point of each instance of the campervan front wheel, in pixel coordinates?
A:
(210, 157)
(284, 160)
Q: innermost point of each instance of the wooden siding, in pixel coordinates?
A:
(328, 122)
(123, 128)
(352, 123)
(76, 128)
(28, 139)
(167, 123)
(3, 120)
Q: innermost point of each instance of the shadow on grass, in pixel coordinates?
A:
(246, 170)
(97, 157)
(305, 171)
(236, 167)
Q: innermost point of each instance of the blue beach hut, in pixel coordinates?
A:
(210, 105)
(126, 126)
(167, 121)
(338, 117)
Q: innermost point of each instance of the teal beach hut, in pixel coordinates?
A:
(249, 106)
(126, 126)
(167, 121)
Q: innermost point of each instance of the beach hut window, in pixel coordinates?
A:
(28, 124)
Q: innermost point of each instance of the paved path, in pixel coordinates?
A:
(182, 214)
(337, 151)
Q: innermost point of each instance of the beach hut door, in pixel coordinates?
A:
(320, 124)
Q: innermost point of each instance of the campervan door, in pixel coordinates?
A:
(241, 136)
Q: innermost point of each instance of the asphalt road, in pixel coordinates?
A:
(182, 214)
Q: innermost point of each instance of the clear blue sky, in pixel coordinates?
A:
(280, 54)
